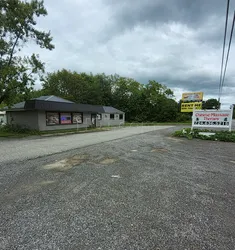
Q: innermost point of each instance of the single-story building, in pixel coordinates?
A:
(52, 113)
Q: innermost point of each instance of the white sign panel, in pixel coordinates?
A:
(212, 119)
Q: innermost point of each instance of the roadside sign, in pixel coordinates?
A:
(192, 96)
(212, 119)
(190, 106)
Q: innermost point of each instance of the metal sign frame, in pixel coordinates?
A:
(192, 96)
(226, 123)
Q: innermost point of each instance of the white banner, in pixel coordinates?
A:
(212, 119)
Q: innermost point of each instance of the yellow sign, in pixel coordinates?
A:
(188, 107)
(193, 96)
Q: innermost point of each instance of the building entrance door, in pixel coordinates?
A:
(93, 120)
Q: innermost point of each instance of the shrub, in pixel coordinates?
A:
(183, 117)
(18, 129)
(225, 136)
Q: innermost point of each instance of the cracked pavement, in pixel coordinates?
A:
(145, 191)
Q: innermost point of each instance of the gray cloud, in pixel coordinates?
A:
(128, 13)
(205, 17)
(194, 13)
(176, 42)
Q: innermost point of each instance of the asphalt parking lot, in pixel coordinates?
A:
(18, 150)
(148, 191)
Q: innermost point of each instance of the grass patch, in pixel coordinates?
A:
(73, 131)
(19, 132)
(11, 134)
(225, 136)
(16, 131)
(129, 124)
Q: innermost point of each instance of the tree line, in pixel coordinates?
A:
(151, 102)
(141, 102)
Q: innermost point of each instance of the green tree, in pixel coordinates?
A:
(17, 27)
(159, 103)
(140, 102)
(79, 87)
(104, 89)
(211, 104)
(59, 83)
(126, 96)
(27, 95)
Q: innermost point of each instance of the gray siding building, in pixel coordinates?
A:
(54, 113)
(2, 117)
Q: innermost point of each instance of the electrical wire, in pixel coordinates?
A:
(225, 35)
(226, 63)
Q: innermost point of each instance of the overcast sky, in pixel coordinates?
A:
(175, 42)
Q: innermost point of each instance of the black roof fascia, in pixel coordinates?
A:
(62, 107)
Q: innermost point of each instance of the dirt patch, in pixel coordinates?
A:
(45, 183)
(67, 163)
(162, 150)
(175, 139)
(108, 161)
(29, 188)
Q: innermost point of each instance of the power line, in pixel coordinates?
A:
(226, 63)
(225, 34)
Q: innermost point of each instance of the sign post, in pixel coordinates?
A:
(230, 128)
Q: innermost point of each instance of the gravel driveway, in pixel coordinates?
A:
(148, 191)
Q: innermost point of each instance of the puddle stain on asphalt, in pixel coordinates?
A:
(29, 188)
(175, 139)
(44, 183)
(67, 163)
(108, 161)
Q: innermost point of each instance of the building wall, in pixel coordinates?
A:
(3, 117)
(37, 120)
(106, 121)
(28, 119)
(44, 127)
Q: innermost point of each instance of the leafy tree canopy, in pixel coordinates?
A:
(211, 104)
(140, 102)
(17, 27)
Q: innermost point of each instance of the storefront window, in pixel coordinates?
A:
(65, 118)
(77, 118)
(52, 119)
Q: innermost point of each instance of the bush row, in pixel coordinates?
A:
(225, 136)
(18, 129)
